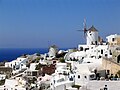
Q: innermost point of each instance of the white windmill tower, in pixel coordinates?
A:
(53, 51)
(91, 34)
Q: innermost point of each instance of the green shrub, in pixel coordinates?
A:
(62, 60)
(76, 86)
(2, 82)
(39, 66)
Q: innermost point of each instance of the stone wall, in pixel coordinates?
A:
(111, 65)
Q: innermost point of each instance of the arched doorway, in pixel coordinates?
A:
(118, 59)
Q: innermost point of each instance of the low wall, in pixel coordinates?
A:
(109, 64)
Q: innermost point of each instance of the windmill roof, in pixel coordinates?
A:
(93, 29)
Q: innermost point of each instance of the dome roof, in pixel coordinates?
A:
(93, 29)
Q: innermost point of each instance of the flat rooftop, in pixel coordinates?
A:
(97, 85)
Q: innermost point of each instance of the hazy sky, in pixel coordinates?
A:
(40, 23)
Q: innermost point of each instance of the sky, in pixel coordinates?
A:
(41, 23)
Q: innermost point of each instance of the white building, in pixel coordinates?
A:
(83, 74)
(17, 65)
(88, 58)
(31, 71)
(61, 79)
(13, 84)
(60, 82)
(113, 39)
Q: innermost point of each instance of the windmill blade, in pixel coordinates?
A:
(80, 30)
(84, 31)
(85, 34)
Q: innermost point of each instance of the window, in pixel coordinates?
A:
(54, 62)
(79, 76)
(113, 39)
(60, 80)
(118, 59)
(101, 51)
(54, 81)
(81, 48)
(29, 73)
(21, 64)
(95, 42)
(91, 43)
(88, 62)
(100, 56)
(108, 72)
(86, 77)
(92, 76)
(34, 73)
(86, 49)
(106, 55)
(110, 52)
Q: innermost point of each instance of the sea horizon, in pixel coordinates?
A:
(9, 54)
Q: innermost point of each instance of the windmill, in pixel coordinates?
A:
(90, 34)
(85, 30)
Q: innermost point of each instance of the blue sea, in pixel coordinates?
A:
(10, 54)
